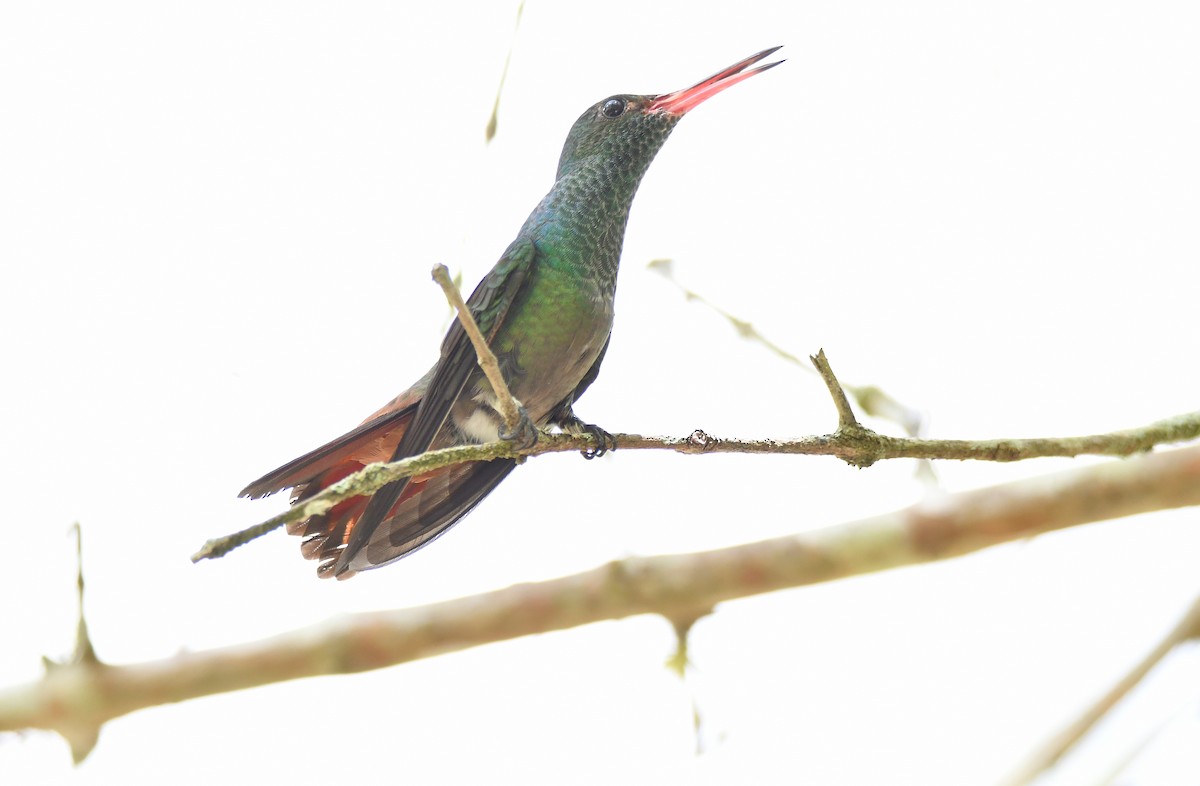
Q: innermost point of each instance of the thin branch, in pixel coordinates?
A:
(675, 586)
(483, 353)
(859, 447)
(1052, 751)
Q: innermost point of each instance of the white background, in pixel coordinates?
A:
(216, 225)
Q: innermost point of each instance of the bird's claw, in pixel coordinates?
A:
(605, 441)
(525, 435)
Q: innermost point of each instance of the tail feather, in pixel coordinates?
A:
(374, 440)
(429, 506)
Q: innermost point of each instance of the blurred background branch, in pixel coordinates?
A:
(1057, 746)
(77, 698)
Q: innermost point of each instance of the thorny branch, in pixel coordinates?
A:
(79, 697)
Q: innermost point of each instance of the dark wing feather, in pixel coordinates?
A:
(489, 304)
(421, 518)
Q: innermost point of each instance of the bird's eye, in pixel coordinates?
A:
(613, 107)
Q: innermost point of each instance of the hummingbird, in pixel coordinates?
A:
(546, 310)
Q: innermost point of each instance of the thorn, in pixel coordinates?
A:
(682, 625)
(82, 742)
(679, 663)
(84, 652)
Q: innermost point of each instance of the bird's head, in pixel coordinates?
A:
(628, 130)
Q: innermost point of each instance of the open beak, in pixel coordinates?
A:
(682, 101)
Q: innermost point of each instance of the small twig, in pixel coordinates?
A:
(1052, 751)
(846, 419)
(487, 361)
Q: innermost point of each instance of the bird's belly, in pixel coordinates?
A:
(545, 349)
(562, 328)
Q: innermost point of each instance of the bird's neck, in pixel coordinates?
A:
(580, 224)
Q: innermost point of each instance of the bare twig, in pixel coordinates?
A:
(1052, 751)
(846, 419)
(674, 586)
(487, 361)
(859, 448)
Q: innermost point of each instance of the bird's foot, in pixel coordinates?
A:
(604, 440)
(525, 435)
